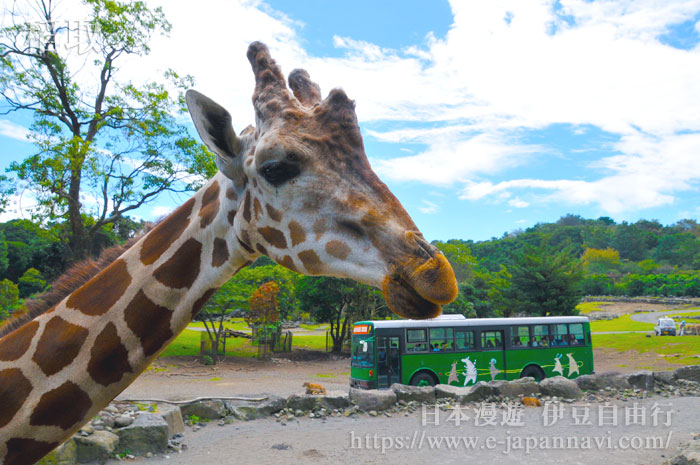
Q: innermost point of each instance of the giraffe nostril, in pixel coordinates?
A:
(423, 248)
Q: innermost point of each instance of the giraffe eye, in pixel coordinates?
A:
(279, 172)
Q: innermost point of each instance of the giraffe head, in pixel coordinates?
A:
(308, 197)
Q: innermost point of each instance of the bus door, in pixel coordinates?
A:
(492, 357)
(388, 361)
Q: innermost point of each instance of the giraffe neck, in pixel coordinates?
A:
(63, 367)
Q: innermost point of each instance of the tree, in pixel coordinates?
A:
(600, 261)
(9, 298)
(4, 262)
(104, 147)
(263, 317)
(30, 283)
(545, 283)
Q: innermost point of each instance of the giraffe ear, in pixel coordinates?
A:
(213, 123)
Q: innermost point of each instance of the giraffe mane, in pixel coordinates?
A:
(73, 278)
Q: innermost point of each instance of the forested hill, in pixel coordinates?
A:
(547, 267)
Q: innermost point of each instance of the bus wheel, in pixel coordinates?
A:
(423, 379)
(533, 371)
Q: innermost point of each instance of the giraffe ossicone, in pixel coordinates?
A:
(297, 187)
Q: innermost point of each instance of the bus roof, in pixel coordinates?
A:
(455, 322)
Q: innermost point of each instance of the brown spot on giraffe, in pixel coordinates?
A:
(14, 390)
(231, 194)
(21, 451)
(245, 246)
(255, 183)
(109, 359)
(182, 269)
(257, 208)
(272, 213)
(273, 236)
(311, 261)
(296, 232)
(15, 344)
(287, 262)
(202, 301)
(246, 207)
(231, 217)
(320, 226)
(58, 346)
(338, 249)
(220, 255)
(261, 248)
(166, 233)
(150, 322)
(63, 407)
(210, 205)
(103, 291)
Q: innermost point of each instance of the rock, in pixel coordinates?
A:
(111, 409)
(643, 379)
(687, 453)
(560, 387)
(208, 409)
(65, 454)
(414, 393)
(373, 399)
(173, 417)
(333, 400)
(516, 388)
(664, 377)
(691, 373)
(599, 382)
(302, 402)
(476, 393)
(98, 447)
(251, 410)
(123, 420)
(148, 433)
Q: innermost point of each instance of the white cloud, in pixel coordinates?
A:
(161, 211)
(13, 131)
(518, 203)
(428, 207)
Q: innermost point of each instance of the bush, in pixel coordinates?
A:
(30, 283)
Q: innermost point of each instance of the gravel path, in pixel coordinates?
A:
(352, 440)
(651, 317)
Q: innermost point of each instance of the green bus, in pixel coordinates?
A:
(455, 350)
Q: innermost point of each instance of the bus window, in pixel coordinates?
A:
(559, 335)
(540, 336)
(416, 340)
(464, 340)
(576, 336)
(362, 351)
(492, 339)
(441, 339)
(520, 336)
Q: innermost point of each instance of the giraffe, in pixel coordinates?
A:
(297, 187)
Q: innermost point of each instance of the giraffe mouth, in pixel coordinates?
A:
(419, 291)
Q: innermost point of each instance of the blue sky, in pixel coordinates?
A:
(482, 117)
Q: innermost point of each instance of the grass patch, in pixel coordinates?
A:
(588, 307)
(315, 326)
(216, 378)
(325, 375)
(237, 325)
(676, 349)
(623, 323)
(309, 342)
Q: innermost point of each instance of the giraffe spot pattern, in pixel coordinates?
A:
(245, 246)
(274, 237)
(257, 208)
(338, 249)
(274, 214)
(220, 255)
(162, 237)
(58, 346)
(21, 451)
(246, 207)
(320, 227)
(311, 261)
(210, 205)
(15, 344)
(14, 390)
(296, 232)
(103, 291)
(182, 269)
(202, 301)
(287, 262)
(261, 248)
(231, 216)
(109, 359)
(150, 322)
(231, 194)
(63, 407)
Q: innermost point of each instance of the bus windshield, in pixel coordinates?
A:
(362, 351)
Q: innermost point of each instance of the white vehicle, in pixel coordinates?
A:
(665, 326)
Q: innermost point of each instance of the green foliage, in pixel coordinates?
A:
(4, 261)
(109, 140)
(9, 298)
(31, 283)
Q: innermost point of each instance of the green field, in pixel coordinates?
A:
(679, 349)
(623, 323)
